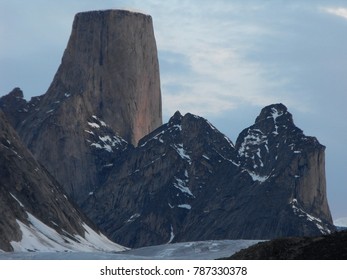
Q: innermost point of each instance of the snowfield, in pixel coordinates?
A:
(200, 250)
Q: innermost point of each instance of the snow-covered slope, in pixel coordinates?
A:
(37, 236)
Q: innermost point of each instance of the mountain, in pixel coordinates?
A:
(328, 247)
(98, 131)
(36, 214)
(187, 181)
(109, 75)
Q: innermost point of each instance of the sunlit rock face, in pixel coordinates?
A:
(104, 97)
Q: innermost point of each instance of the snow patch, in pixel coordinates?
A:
(275, 114)
(182, 152)
(257, 177)
(133, 218)
(254, 138)
(100, 121)
(185, 206)
(172, 235)
(107, 143)
(181, 185)
(301, 213)
(94, 125)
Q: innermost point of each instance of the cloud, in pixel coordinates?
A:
(341, 12)
(214, 48)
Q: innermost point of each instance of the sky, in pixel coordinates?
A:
(223, 60)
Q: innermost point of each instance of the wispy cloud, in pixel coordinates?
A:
(339, 11)
(214, 42)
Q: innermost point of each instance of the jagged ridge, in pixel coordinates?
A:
(187, 181)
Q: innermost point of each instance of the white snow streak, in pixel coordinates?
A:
(185, 206)
(94, 125)
(172, 235)
(301, 213)
(21, 205)
(181, 185)
(182, 152)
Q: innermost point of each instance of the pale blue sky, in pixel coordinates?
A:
(221, 59)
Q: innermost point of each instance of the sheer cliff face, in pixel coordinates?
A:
(111, 61)
(107, 86)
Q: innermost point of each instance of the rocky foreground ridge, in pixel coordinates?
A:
(36, 214)
(326, 247)
(98, 132)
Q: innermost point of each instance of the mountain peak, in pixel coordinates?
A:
(276, 112)
(176, 118)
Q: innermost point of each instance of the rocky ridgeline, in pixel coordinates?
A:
(98, 131)
(187, 181)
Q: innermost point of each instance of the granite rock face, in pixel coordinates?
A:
(31, 201)
(187, 181)
(108, 81)
(111, 61)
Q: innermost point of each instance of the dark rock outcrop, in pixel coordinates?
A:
(109, 72)
(31, 199)
(328, 247)
(186, 181)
